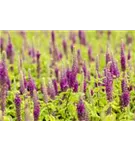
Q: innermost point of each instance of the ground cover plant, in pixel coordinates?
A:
(67, 75)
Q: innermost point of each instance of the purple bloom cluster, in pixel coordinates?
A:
(123, 58)
(114, 69)
(36, 111)
(108, 57)
(31, 86)
(64, 83)
(125, 98)
(109, 84)
(82, 38)
(81, 110)
(38, 63)
(18, 105)
(1, 44)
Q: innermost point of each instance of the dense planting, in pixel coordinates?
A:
(67, 75)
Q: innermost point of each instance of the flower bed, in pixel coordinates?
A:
(67, 75)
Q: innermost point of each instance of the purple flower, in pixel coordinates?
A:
(38, 64)
(32, 53)
(75, 88)
(8, 83)
(18, 105)
(31, 86)
(51, 90)
(78, 55)
(124, 85)
(114, 69)
(84, 70)
(72, 48)
(4, 83)
(72, 37)
(55, 86)
(3, 72)
(82, 116)
(90, 53)
(57, 73)
(71, 77)
(109, 85)
(1, 44)
(82, 37)
(85, 86)
(108, 57)
(123, 58)
(36, 111)
(63, 83)
(60, 56)
(97, 64)
(92, 92)
(125, 98)
(75, 67)
(10, 52)
(53, 37)
(129, 54)
(22, 83)
(80, 34)
(44, 91)
(9, 49)
(64, 44)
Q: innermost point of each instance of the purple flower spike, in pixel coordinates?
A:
(55, 86)
(10, 52)
(97, 64)
(80, 34)
(4, 83)
(18, 105)
(38, 64)
(75, 66)
(124, 85)
(109, 85)
(63, 83)
(129, 54)
(72, 37)
(125, 98)
(36, 111)
(90, 53)
(9, 49)
(82, 116)
(64, 44)
(57, 73)
(44, 91)
(114, 69)
(72, 48)
(85, 86)
(71, 77)
(51, 90)
(84, 70)
(31, 86)
(82, 37)
(123, 58)
(22, 83)
(91, 92)
(108, 57)
(1, 44)
(53, 37)
(75, 88)
(3, 72)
